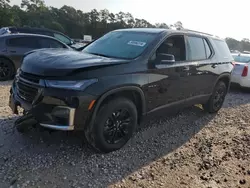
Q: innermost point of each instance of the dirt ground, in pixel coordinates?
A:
(191, 149)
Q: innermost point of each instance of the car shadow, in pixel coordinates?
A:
(50, 154)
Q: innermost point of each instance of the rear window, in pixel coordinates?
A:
(222, 47)
(241, 58)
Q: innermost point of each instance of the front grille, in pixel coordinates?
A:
(27, 86)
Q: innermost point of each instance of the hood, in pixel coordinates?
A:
(61, 62)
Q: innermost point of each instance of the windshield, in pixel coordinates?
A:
(241, 58)
(121, 44)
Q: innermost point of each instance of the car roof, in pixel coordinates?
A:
(26, 35)
(161, 30)
(34, 28)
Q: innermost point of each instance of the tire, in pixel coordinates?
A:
(25, 123)
(217, 98)
(7, 69)
(116, 118)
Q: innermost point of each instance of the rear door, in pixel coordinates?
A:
(18, 46)
(199, 58)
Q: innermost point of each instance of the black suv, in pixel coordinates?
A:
(116, 80)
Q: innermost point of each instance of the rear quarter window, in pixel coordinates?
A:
(222, 50)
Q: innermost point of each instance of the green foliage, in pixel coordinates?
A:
(243, 45)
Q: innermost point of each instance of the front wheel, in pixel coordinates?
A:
(114, 125)
(7, 69)
(216, 100)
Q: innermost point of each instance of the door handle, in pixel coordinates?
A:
(214, 66)
(12, 51)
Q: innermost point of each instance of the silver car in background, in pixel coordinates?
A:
(240, 74)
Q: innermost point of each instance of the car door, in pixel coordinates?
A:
(18, 46)
(201, 72)
(169, 83)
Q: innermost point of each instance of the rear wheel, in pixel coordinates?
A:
(114, 125)
(216, 100)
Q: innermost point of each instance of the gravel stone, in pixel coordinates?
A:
(176, 149)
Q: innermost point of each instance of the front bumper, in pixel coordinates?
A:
(56, 109)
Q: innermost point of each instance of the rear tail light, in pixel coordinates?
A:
(245, 71)
(233, 63)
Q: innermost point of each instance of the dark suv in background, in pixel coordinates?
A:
(40, 31)
(127, 74)
(14, 46)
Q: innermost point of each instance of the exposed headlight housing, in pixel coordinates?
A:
(74, 85)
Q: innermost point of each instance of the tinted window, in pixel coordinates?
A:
(196, 48)
(49, 43)
(121, 44)
(62, 38)
(208, 50)
(26, 42)
(223, 50)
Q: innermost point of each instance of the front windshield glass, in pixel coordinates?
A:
(121, 44)
(241, 58)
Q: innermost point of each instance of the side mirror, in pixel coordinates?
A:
(165, 58)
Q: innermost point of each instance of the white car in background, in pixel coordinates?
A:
(240, 74)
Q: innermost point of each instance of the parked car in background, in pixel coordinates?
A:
(41, 31)
(14, 46)
(241, 75)
(118, 79)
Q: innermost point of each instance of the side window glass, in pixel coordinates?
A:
(49, 43)
(62, 38)
(222, 48)
(196, 48)
(25, 42)
(174, 45)
(208, 50)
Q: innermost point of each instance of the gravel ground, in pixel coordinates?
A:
(188, 149)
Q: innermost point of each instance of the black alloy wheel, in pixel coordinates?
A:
(117, 126)
(216, 100)
(114, 125)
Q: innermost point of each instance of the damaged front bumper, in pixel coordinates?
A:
(54, 108)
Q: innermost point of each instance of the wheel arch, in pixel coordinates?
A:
(133, 93)
(225, 77)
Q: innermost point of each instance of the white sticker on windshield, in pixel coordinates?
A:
(137, 43)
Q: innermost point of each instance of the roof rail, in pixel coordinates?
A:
(197, 32)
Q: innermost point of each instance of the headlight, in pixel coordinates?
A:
(75, 85)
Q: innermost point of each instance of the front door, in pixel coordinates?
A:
(169, 83)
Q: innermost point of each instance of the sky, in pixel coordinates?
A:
(217, 17)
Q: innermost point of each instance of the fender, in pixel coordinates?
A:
(116, 90)
(224, 75)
